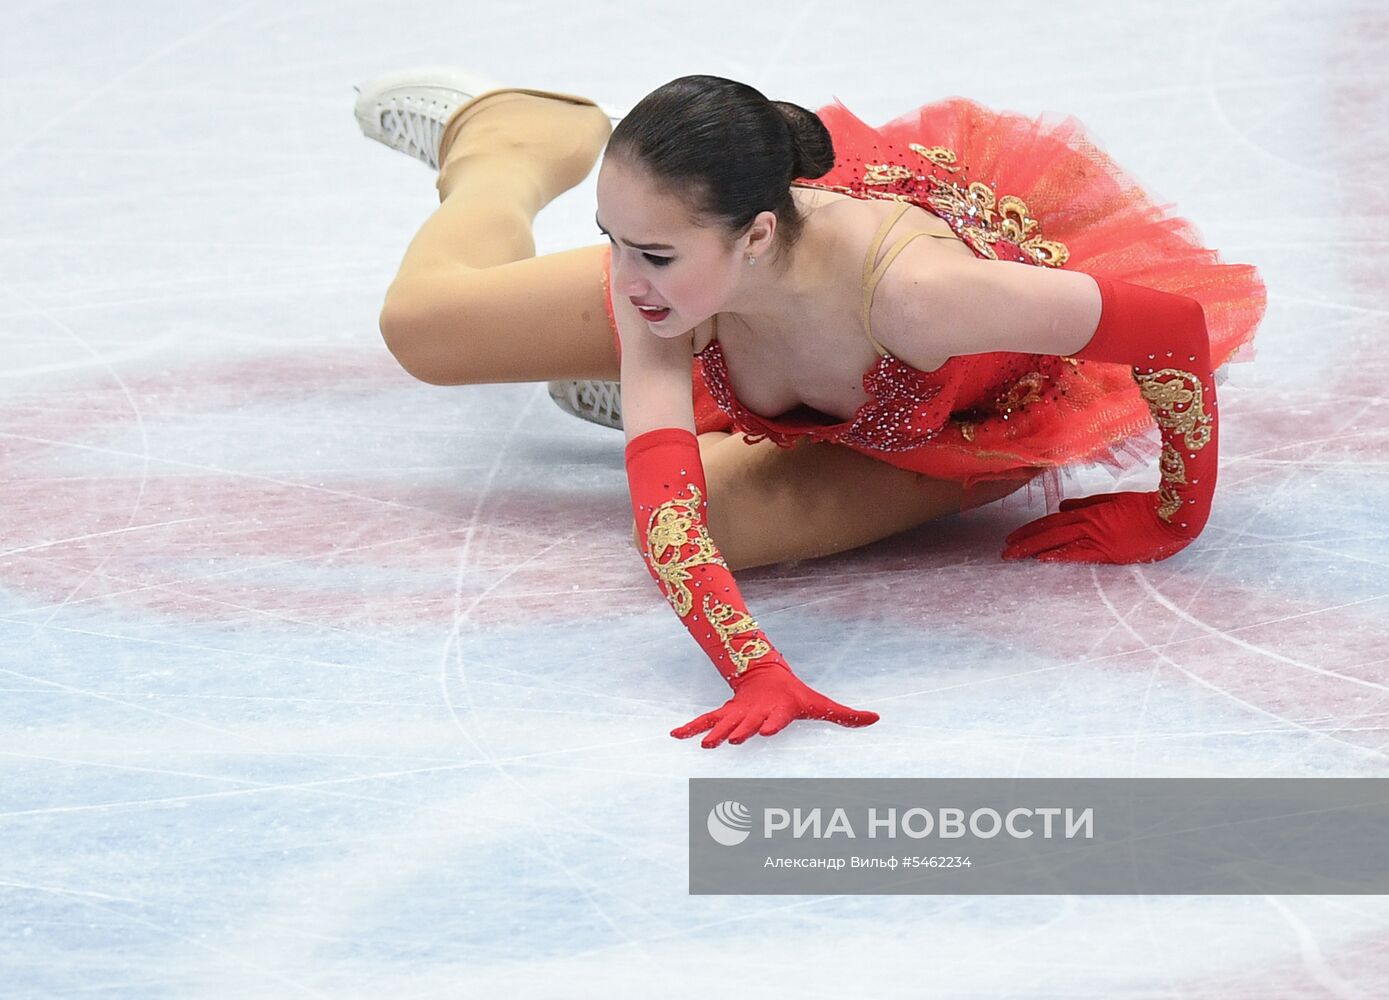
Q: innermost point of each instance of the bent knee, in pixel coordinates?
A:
(405, 328)
(428, 327)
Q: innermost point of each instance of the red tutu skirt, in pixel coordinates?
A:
(1054, 199)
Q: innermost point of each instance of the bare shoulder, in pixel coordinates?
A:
(931, 306)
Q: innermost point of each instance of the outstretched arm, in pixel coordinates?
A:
(669, 504)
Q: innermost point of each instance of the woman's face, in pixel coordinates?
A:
(683, 271)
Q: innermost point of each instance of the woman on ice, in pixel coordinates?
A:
(825, 333)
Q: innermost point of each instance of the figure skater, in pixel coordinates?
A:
(790, 388)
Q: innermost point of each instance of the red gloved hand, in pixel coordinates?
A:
(765, 700)
(1164, 337)
(1109, 528)
(666, 477)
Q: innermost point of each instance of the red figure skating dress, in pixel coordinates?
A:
(1019, 189)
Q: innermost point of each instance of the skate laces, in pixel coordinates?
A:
(601, 398)
(412, 129)
(590, 399)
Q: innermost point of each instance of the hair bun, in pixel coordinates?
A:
(812, 150)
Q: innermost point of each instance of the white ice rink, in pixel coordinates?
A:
(298, 700)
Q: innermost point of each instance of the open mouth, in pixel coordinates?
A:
(653, 315)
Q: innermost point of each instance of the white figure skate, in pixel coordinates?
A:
(409, 110)
(593, 400)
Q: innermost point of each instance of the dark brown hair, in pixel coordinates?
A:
(727, 149)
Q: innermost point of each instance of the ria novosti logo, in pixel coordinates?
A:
(729, 823)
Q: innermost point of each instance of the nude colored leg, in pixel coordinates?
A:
(471, 303)
(769, 505)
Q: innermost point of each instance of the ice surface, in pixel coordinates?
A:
(298, 697)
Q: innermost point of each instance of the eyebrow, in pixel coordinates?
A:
(634, 246)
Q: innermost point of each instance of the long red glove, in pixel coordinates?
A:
(1164, 337)
(666, 477)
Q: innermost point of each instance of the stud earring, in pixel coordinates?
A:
(752, 259)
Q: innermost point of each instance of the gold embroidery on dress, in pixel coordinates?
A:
(885, 173)
(728, 621)
(966, 429)
(985, 219)
(672, 526)
(939, 155)
(1176, 399)
(1027, 389)
(976, 213)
